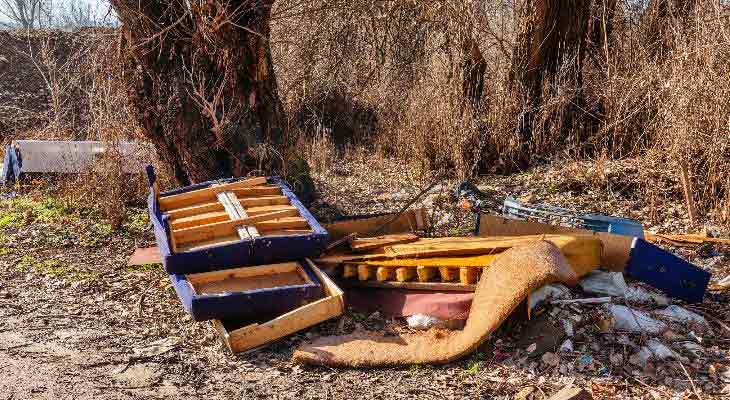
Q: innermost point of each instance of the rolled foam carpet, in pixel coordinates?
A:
(508, 280)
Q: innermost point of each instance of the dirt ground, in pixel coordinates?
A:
(77, 323)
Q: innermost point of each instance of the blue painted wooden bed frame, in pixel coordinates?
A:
(258, 251)
(246, 304)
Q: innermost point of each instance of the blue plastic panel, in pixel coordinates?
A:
(277, 300)
(667, 272)
(258, 251)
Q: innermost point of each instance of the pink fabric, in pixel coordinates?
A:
(402, 303)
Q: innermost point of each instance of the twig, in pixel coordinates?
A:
(594, 300)
(692, 382)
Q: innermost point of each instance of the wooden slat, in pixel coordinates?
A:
(283, 223)
(205, 244)
(264, 201)
(288, 232)
(257, 191)
(196, 196)
(349, 271)
(447, 274)
(194, 210)
(243, 272)
(204, 232)
(434, 286)
(372, 243)
(202, 219)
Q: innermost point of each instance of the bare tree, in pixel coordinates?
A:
(202, 82)
(27, 14)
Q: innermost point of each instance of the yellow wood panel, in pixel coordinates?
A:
(201, 195)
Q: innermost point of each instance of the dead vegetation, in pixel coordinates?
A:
(431, 84)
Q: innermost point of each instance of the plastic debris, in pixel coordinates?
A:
(654, 350)
(679, 314)
(614, 284)
(423, 321)
(566, 347)
(605, 283)
(629, 319)
(548, 292)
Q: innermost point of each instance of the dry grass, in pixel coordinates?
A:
(386, 78)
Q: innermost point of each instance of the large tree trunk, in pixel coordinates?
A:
(201, 79)
(553, 34)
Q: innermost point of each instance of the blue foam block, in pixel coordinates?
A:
(667, 272)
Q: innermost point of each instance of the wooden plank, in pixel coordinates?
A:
(205, 244)
(267, 209)
(434, 286)
(255, 335)
(349, 271)
(283, 223)
(476, 261)
(616, 248)
(208, 231)
(196, 196)
(243, 272)
(256, 191)
(194, 210)
(201, 219)
(288, 232)
(234, 207)
(372, 243)
(408, 221)
(264, 201)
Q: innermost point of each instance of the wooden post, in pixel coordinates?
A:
(687, 186)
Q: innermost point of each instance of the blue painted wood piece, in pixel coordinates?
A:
(667, 272)
(258, 251)
(246, 304)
